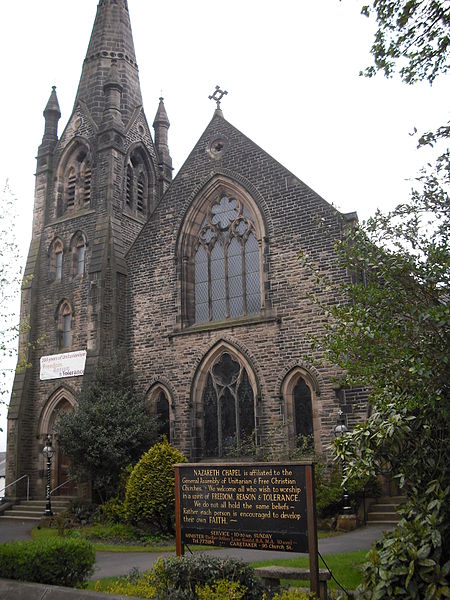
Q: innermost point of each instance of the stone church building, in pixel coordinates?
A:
(198, 276)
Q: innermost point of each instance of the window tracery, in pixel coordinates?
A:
(228, 409)
(227, 271)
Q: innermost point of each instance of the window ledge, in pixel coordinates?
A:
(228, 324)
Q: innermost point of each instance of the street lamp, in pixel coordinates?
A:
(48, 451)
(339, 430)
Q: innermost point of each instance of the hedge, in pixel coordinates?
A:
(55, 561)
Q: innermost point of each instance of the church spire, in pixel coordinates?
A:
(111, 40)
(161, 125)
(52, 114)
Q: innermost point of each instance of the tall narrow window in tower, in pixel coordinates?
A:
(64, 326)
(138, 190)
(58, 261)
(75, 177)
(78, 248)
(227, 263)
(228, 409)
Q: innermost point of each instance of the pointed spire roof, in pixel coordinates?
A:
(52, 104)
(111, 40)
(161, 117)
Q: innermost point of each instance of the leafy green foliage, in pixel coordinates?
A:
(409, 560)
(150, 489)
(219, 590)
(108, 429)
(55, 561)
(177, 578)
(393, 336)
(138, 585)
(412, 34)
(294, 595)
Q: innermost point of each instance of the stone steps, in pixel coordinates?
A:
(384, 510)
(34, 509)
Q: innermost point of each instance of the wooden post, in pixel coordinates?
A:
(312, 530)
(179, 544)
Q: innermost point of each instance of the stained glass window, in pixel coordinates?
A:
(303, 411)
(228, 408)
(227, 278)
(162, 411)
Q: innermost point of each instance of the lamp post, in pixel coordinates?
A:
(48, 451)
(339, 430)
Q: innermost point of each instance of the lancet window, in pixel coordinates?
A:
(228, 408)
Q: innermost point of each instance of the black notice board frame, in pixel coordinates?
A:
(262, 506)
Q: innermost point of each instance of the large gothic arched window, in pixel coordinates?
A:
(228, 405)
(225, 261)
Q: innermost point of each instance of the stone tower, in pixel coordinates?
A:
(96, 187)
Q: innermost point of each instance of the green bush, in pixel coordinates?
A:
(221, 590)
(134, 584)
(55, 561)
(412, 560)
(294, 595)
(150, 489)
(176, 578)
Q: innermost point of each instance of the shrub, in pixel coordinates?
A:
(150, 489)
(83, 511)
(294, 595)
(55, 561)
(113, 511)
(176, 578)
(134, 584)
(221, 590)
(410, 561)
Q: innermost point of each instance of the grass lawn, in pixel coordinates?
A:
(346, 567)
(107, 539)
(121, 538)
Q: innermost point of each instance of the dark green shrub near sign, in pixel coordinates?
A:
(176, 578)
(55, 561)
(150, 489)
(408, 561)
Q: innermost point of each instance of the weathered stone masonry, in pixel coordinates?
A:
(199, 278)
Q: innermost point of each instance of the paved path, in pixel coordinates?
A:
(110, 564)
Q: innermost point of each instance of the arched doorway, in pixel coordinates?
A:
(60, 402)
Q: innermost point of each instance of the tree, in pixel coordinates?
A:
(108, 429)
(393, 332)
(412, 34)
(9, 290)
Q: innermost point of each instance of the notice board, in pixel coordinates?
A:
(261, 506)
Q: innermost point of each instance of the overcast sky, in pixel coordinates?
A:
(291, 70)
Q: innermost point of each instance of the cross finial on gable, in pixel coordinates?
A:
(218, 95)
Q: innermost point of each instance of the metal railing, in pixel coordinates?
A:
(60, 486)
(14, 482)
